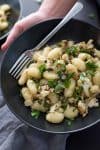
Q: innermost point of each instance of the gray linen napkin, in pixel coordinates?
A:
(14, 135)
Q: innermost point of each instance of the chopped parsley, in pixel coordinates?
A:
(72, 51)
(46, 104)
(64, 105)
(60, 73)
(42, 68)
(88, 51)
(83, 50)
(83, 75)
(77, 93)
(35, 114)
(90, 72)
(70, 75)
(59, 87)
(60, 67)
(52, 83)
(67, 83)
(64, 84)
(92, 16)
(69, 122)
(91, 66)
(67, 80)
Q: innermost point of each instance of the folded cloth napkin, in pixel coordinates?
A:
(14, 135)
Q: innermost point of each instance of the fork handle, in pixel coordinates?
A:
(75, 9)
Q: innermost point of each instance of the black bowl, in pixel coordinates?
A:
(16, 13)
(98, 1)
(74, 30)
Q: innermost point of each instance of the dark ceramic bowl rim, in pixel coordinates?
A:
(26, 122)
(19, 17)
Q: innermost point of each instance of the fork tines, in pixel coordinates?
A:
(19, 65)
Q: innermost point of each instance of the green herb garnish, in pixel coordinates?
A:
(59, 73)
(83, 75)
(42, 68)
(72, 50)
(77, 93)
(88, 51)
(67, 83)
(52, 83)
(46, 104)
(64, 105)
(69, 122)
(91, 66)
(90, 72)
(59, 87)
(63, 67)
(67, 80)
(83, 50)
(60, 67)
(35, 114)
(70, 75)
(92, 16)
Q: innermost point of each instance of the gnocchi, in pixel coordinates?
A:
(68, 92)
(55, 117)
(33, 72)
(63, 80)
(50, 75)
(27, 96)
(71, 112)
(55, 53)
(4, 9)
(32, 87)
(79, 64)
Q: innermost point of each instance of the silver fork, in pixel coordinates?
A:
(26, 57)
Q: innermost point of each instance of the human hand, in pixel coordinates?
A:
(22, 26)
(53, 10)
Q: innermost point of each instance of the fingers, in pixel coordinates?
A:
(20, 27)
(15, 32)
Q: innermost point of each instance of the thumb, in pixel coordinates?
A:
(15, 32)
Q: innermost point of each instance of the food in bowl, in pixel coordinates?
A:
(63, 80)
(5, 10)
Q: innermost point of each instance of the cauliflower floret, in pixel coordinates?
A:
(82, 108)
(93, 103)
(86, 86)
